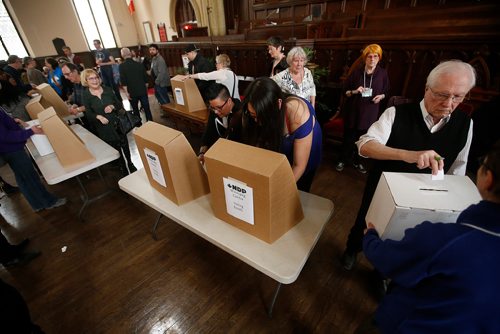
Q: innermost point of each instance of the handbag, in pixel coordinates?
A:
(125, 121)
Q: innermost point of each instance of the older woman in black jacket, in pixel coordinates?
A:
(101, 106)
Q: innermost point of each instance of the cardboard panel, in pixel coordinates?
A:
(69, 148)
(404, 200)
(51, 99)
(267, 175)
(187, 97)
(170, 163)
(35, 106)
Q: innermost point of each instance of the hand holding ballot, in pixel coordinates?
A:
(37, 129)
(427, 159)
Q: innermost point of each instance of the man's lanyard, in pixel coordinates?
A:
(223, 123)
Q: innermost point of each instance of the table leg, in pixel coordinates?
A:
(155, 225)
(273, 301)
(85, 195)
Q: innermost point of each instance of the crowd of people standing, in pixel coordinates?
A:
(277, 112)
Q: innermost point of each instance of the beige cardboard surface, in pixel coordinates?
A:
(35, 106)
(51, 99)
(404, 200)
(276, 200)
(187, 96)
(184, 176)
(69, 148)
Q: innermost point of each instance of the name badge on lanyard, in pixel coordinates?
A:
(367, 91)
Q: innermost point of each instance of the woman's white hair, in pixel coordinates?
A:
(295, 52)
(452, 67)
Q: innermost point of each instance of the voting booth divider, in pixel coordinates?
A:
(253, 189)
(186, 94)
(170, 163)
(47, 98)
(404, 200)
(69, 148)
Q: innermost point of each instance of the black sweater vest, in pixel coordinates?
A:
(410, 132)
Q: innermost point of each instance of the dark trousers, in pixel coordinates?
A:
(355, 238)
(122, 147)
(28, 180)
(161, 94)
(349, 148)
(6, 252)
(134, 103)
(109, 80)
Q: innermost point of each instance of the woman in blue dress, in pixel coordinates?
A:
(283, 123)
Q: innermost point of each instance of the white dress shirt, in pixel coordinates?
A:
(223, 76)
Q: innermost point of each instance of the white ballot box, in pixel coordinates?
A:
(404, 200)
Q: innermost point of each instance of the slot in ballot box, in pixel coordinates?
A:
(253, 189)
(187, 96)
(404, 200)
(171, 165)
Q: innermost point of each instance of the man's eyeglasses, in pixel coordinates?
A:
(66, 74)
(219, 108)
(445, 97)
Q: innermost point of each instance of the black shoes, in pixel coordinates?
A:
(340, 167)
(21, 246)
(360, 168)
(8, 189)
(349, 260)
(21, 259)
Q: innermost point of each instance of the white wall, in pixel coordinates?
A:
(40, 21)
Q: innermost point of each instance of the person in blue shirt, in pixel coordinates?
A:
(444, 277)
(55, 75)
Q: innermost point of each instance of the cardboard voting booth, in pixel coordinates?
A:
(170, 163)
(404, 200)
(186, 95)
(69, 148)
(253, 189)
(47, 98)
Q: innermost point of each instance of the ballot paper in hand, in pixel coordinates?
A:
(439, 176)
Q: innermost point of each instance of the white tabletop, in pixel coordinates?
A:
(51, 168)
(282, 260)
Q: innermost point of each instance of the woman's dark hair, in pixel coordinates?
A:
(52, 62)
(72, 67)
(267, 132)
(276, 41)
